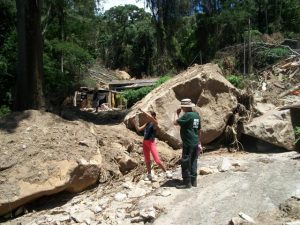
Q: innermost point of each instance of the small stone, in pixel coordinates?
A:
(205, 171)
(246, 217)
(24, 146)
(236, 221)
(164, 193)
(148, 214)
(97, 209)
(19, 211)
(120, 197)
(155, 185)
(225, 165)
(134, 213)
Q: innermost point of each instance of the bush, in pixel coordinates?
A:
(235, 80)
(133, 96)
(297, 133)
(4, 110)
(267, 57)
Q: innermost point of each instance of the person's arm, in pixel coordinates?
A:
(137, 128)
(176, 116)
(200, 148)
(148, 115)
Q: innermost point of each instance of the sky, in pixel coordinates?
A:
(111, 3)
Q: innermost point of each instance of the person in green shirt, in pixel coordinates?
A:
(190, 133)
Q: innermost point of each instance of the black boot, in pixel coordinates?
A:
(194, 181)
(184, 185)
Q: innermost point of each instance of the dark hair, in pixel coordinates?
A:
(153, 113)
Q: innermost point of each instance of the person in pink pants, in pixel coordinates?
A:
(149, 145)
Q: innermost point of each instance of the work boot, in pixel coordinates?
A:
(194, 182)
(184, 185)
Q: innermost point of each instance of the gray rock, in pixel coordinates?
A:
(274, 127)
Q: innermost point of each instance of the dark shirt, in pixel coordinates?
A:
(189, 128)
(149, 132)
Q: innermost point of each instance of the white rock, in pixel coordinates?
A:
(60, 217)
(97, 209)
(246, 217)
(83, 216)
(103, 201)
(149, 213)
(225, 165)
(293, 223)
(137, 192)
(120, 197)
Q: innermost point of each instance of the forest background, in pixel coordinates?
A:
(76, 34)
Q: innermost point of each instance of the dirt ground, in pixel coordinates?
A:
(258, 185)
(31, 140)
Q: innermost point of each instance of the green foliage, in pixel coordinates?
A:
(268, 56)
(133, 96)
(297, 133)
(87, 81)
(4, 110)
(127, 39)
(235, 80)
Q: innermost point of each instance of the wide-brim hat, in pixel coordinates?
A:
(186, 103)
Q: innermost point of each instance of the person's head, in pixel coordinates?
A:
(186, 105)
(153, 114)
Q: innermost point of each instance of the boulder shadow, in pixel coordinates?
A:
(254, 145)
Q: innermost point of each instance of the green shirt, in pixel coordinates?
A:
(190, 123)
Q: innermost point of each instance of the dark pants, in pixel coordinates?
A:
(189, 163)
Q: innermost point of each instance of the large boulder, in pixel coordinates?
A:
(65, 175)
(42, 154)
(214, 96)
(274, 127)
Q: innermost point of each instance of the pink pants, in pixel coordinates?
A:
(150, 146)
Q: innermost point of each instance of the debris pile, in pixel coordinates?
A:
(281, 80)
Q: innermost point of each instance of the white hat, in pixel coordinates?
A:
(186, 103)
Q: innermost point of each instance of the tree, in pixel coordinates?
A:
(29, 86)
(127, 39)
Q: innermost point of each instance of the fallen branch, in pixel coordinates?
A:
(293, 74)
(279, 85)
(297, 87)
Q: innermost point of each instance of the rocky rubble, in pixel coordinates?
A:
(159, 202)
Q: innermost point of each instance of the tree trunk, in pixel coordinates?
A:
(29, 92)
(249, 48)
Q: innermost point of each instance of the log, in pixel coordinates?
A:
(290, 107)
